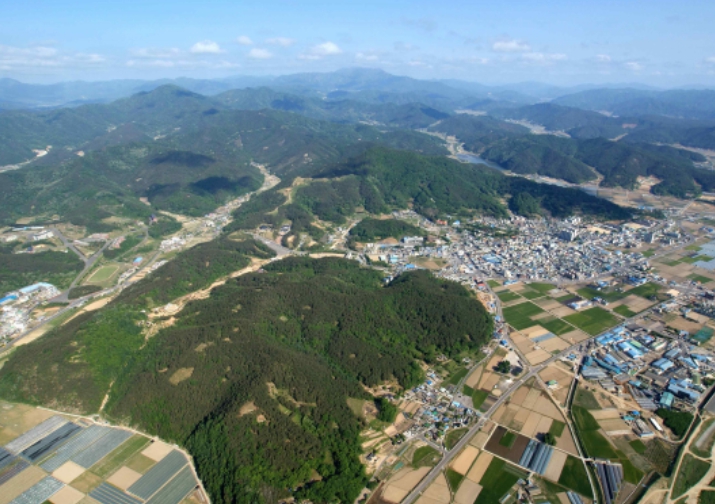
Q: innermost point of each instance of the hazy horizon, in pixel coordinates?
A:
(660, 44)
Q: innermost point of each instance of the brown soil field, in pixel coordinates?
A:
(480, 467)
(68, 472)
(438, 491)
(575, 336)
(464, 460)
(512, 453)
(531, 398)
(403, 482)
(519, 396)
(124, 478)
(556, 465)
(547, 408)
(475, 377)
(532, 423)
(554, 344)
(544, 425)
(87, 482)
(537, 356)
(479, 440)
(67, 495)
(547, 303)
(605, 414)
(524, 344)
(508, 415)
(20, 482)
(157, 450)
(489, 380)
(566, 442)
(562, 311)
(468, 492)
(16, 419)
(682, 324)
(613, 425)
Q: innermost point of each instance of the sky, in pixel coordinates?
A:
(653, 42)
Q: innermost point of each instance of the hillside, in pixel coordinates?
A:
(380, 180)
(477, 132)
(272, 359)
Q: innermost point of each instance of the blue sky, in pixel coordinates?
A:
(662, 43)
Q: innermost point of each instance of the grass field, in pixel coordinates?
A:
(115, 459)
(630, 472)
(699, 278)
(592, 321)
(625, 311)
(586, 399)
(557, 428)
(707, 497)
(425, 456)
(493, 283)
(648, 253)
(574, 476)
(455, 377)
(103, 274)
(508, 439)
(454, 479)
(478, 398)
(543, 288)
(556, 326)
(506, 296)
(609, 295)
(593, 441)
(519, 316)
(453, 436)
(497, 480)
(638, 446)
(691, 471)
(646, 290)
(693, 248)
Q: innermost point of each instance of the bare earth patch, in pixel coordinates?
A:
(180, 375)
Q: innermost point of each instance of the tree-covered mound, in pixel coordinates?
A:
(255, 379)
(368, 230)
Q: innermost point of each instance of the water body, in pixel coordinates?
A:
(474, 159)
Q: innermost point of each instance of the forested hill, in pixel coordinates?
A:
(381, 180)
(255, 379)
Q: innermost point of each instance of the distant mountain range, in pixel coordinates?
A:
(377, 86)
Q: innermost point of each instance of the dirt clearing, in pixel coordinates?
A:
(464, 460)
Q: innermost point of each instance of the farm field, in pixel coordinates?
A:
(81, 461)
(593, 320)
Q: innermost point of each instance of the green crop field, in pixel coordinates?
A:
(625, 311)
(508, 439)
(646, 290)
(557, 428)
(519, 316)
(592, 321)
(556, 326)
(593, 441)
(497, 480)
(506, 296)
(691, 471)
(457, 376)
(454, 479)
(104, 273)
(574, 476)
(543, 288)
(453, 437)
(493, 283)
(610, 295)
(425, 456)
(478, 398)
(638, 446)
(699, 278)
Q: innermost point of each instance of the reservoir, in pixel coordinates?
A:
(472, 158)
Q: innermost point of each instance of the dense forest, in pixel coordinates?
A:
(21, 270)
(370, 230)
(267, 363)
(380, 180)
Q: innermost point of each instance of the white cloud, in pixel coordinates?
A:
(537, 57)
(281, 41)
(257, 53)
(150, 52)
(511, 46)
(43, 57)
(711, 60)
(366, 56)
(244, 40)
(205, 47)
(603, 58)
(321, 51)
(634, 66)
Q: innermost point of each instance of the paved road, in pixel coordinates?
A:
(280, 250)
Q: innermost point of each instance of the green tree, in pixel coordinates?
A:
(503, 367)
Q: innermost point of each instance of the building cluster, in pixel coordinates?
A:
(440, 410)
(16, 307)
(654, 372)
(173, 243)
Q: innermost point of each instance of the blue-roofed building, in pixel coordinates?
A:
(672, 353)
(687, 361)
(8, 299)
(666, 400)
(663, 364)
(677, 388)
